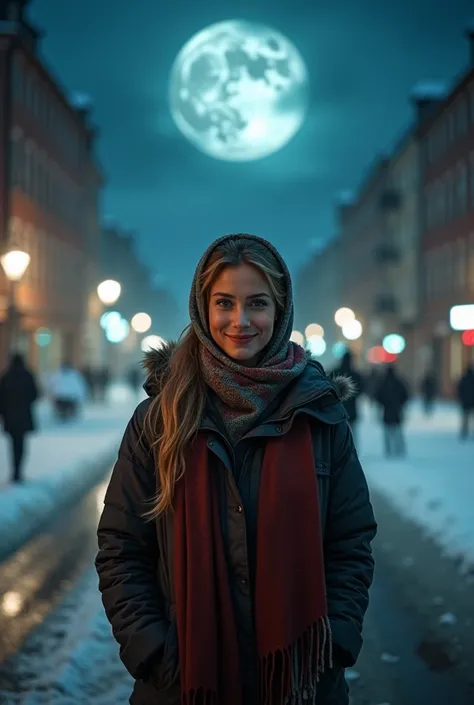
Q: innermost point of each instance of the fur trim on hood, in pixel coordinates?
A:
(156, 363)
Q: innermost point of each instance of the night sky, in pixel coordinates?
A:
(364, 56)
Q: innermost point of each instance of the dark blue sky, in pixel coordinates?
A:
(364, 56)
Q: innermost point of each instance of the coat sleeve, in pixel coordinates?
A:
(349, 565)
(128, 556)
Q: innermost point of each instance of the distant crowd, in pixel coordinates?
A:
(69, 389)
(390, 393)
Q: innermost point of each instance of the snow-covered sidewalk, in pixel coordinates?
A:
(63, 461)
(434, 484)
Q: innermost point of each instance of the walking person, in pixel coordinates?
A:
(466, 400)
(68, 391)
(18, 393)
(429, 391)
(351, 405)
(392, 395)
(234, 546)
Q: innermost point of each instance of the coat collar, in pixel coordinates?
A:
(313, 391)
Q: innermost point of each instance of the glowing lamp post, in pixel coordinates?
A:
(344, 316)
(14, 263)
(352, 329)
(109, 292)
(141, 322)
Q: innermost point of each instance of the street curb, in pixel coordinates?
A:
(31, 511)
(430, 583)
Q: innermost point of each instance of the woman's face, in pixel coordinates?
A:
(242, 313)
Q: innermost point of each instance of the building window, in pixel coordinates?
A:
(29, 170)
(471, 102)
(461, 193)
(428, 275)
(461, 264)
(18, 73)
(471, 262)
(461, 116)
(446, 264)
(448, 198)
(471, 178)
(451, 117)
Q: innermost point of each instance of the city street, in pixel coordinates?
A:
(56, 646)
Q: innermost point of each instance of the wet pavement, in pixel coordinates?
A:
(56, 646)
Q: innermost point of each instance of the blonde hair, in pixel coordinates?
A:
(174, 415)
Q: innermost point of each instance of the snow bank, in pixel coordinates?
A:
(434, 485)
(63, 463)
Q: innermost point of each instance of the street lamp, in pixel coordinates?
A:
(343, 316)
(141, 322)
(14, 263)
(109, 292)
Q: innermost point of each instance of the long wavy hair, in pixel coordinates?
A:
(175, 414)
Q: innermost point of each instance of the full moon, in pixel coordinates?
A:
(238, 91)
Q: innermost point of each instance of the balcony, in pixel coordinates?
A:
(390, 200)
(387, 254)
(385, 304)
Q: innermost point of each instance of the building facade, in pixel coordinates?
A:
(49, 205)
(447, 142)
(318, 294)
(119, 260)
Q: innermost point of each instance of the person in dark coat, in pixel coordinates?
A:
(392, 395)
(429, 391)
(134, 377)
(18, 392)
(466, 399)
(351, 404)
(234, 553)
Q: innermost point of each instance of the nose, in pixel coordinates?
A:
(241, 318)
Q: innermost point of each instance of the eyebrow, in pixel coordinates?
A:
(252, 296)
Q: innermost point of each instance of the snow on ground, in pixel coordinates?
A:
(63, 461)
(434, 484)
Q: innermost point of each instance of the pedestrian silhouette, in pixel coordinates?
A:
(351, 405)
(68, 391)
(392, 395)
(18, 392)
(429, 391)
(466, 399)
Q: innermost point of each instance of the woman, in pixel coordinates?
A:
(18, 392)
(247, 581)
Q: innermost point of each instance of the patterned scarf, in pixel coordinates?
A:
(243, 393)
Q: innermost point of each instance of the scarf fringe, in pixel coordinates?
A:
(199, 697)
(299, 668)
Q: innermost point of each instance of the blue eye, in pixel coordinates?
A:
(259, 303)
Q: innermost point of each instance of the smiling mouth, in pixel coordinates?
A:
(241, 338)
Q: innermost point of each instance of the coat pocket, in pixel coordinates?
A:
(166, 674)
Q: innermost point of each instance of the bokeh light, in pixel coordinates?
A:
(141, 322)
(314, 329)
(343, 316)
(352, 330)
(152, 342)
(316, 345)
(297, 337)
(394, 343)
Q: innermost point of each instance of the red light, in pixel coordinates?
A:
(468, 337)
(379, 356)
(390, 357)
(376, 355)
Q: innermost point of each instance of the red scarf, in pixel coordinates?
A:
(292, 627)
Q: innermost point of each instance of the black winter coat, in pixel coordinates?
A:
(466, 390)
(18, 392)
(392, 395)
(134, 561)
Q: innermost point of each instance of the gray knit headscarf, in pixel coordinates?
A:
(242, 392)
